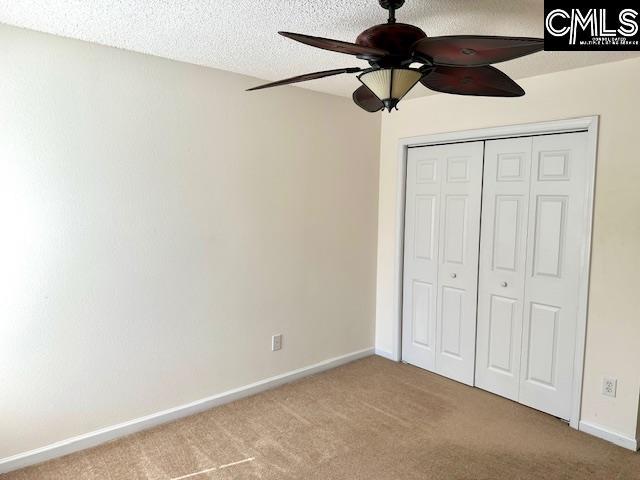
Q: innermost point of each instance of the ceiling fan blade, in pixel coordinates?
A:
(475, 51)
(478, 81)
(365, 99)
(337, 45)
(305, 77)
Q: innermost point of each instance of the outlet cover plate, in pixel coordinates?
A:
(609, 386)
(276, 342)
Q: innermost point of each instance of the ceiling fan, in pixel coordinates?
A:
(457, 64)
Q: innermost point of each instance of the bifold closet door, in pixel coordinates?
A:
(557, 229)
(442, 221)
(505, 213)
(533, 229)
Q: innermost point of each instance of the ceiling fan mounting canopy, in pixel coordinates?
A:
(388, 4)
(454, 64)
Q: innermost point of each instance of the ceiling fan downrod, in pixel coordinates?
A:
(392, 6)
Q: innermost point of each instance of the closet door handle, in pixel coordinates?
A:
(453, 275)
(504, 284)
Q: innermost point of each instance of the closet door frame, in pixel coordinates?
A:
(582, 124)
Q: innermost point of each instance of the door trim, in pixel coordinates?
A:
(582, 124)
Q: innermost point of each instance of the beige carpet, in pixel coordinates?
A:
(371, 419)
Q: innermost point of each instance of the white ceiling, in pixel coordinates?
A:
(240, 35)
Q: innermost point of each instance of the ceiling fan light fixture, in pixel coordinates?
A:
(390, 85)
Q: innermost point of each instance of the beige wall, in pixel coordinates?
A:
(611, 91)
(159, 224)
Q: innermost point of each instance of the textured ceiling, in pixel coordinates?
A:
(240, 35)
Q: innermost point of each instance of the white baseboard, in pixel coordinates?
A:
(107, 434)
(385, 354)
(608, 435)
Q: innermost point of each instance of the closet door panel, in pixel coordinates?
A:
(458, 254)
(420, 279)
(556, 234)
(441, 258)
(502, 265)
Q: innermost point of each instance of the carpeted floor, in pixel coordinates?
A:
(371, 419)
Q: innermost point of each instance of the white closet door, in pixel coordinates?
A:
(533, 229)
(503, 248)
(458, 268)
(420, 280)
(557, 229)
(441, 258)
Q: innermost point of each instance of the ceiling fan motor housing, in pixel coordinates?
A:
(396, 38)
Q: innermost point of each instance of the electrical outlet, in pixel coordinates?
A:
(609, 386)
(276, 342)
